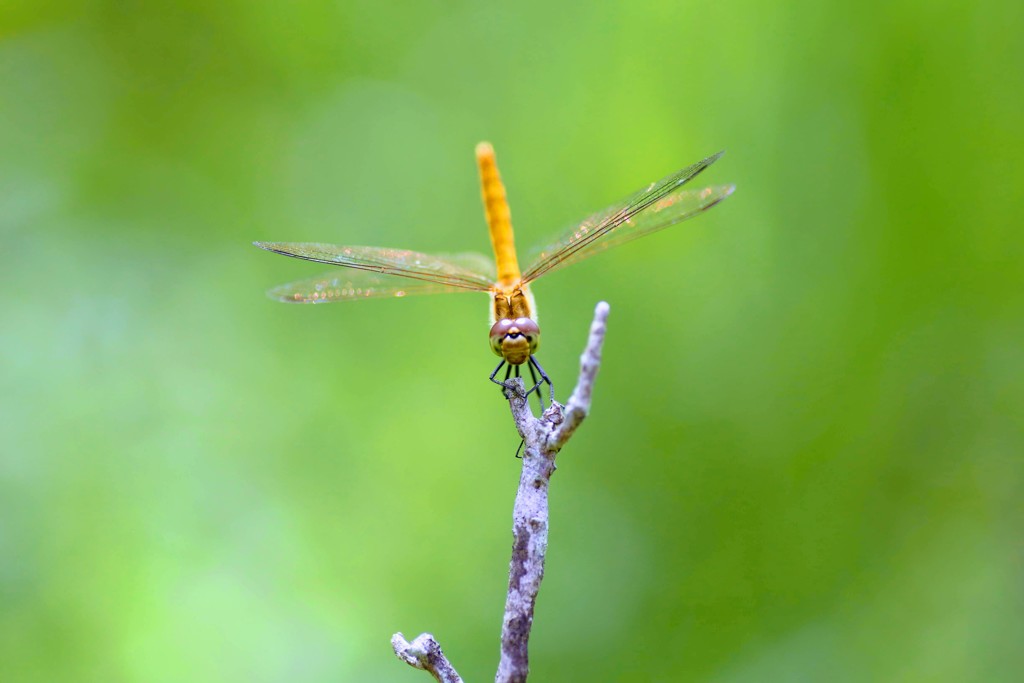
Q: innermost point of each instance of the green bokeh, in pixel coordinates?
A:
(804, 458)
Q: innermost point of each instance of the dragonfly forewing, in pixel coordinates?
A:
(654, 208)
(461, 271)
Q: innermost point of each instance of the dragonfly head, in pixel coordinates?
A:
(515, 340)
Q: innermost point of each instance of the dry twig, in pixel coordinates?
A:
(542, 439)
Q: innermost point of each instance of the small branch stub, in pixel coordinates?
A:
(425, 653)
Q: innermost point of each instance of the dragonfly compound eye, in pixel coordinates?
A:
(515, 340)
(498, 332)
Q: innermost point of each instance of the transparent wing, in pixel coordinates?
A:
(654, 208)
(352, 285)
(460, 271)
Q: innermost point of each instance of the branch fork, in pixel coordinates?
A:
(542, 438)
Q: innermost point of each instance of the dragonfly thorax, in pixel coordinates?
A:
(515, 339)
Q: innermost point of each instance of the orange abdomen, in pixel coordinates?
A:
(499, 218)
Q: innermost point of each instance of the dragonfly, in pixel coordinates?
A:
(374, 272)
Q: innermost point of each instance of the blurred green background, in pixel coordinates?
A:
(804, 457)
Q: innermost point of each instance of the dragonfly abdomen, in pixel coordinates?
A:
(499, 217)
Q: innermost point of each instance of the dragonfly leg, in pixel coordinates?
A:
(536, 387)
(502, 363)
(543, 378)
(508, 373)
(498, 381)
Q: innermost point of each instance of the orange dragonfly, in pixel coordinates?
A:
(514, 336)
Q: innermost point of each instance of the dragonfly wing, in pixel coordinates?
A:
(353, 285)
(460, 271)
(654, 208)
